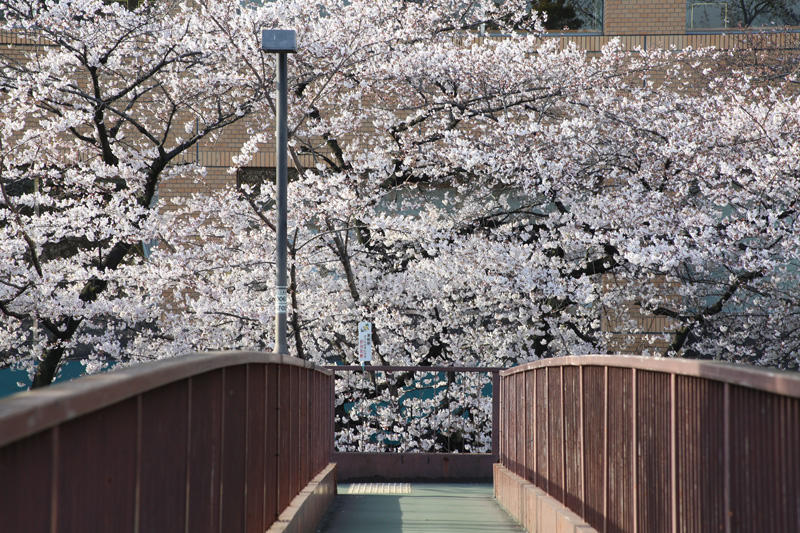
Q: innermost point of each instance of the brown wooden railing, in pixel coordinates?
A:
(206, 442)
(650, 445)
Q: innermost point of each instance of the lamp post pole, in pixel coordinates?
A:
(281, 42)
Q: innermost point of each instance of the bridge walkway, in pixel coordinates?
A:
(416, 508)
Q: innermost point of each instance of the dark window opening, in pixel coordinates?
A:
(253, 177)
(570, 15)
(742, 14)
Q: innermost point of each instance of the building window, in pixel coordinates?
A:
(253, 177)
(130, 4)
(571, 15)
(742, 14)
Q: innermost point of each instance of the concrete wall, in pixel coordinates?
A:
(414, 466)
(307, 508)
(532, 507)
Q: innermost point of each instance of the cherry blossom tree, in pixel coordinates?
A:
(491, 202)
(95, 115)
(480, 201)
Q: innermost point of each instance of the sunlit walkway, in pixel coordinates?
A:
(417, 508)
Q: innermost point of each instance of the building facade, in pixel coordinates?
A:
(591, 24)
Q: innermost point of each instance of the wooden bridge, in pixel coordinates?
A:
(242, 441)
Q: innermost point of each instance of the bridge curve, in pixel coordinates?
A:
(220, 441)
(641, 444)
(229, 441)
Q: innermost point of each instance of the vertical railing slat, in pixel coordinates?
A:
(137, 491)
(582, 430)
(523, 429)
(726, 413)
(272, 444)
(496, 415)
(563, 438)
(605, 449)
(530, 432)
(233, 473)
(536, 422)
(187, 480)
(255, 448)
(54, 500)
(673, 467)
(332, 417)
(634, 448)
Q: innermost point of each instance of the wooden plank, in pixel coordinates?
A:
(26, 474)
(619, 515)
(284, 438)
(234, 438)
(205, 450)
(594, 430)
(304, 431)
(162, 472)
(293, 422)
(97, 470)
(653, 464)
(271, 439)
(256, 448)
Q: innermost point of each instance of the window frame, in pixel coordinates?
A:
(781, 28)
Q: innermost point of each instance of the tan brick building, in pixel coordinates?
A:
(589, 23)
(646, 24)
(639, 23)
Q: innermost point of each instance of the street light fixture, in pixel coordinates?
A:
(281, 42)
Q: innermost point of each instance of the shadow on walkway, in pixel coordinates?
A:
(428, 508)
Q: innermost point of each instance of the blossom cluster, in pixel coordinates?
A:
(479, 201)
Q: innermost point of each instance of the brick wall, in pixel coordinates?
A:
(627, 17)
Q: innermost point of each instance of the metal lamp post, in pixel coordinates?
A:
(281, 42)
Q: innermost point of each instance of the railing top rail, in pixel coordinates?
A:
(775, 381)
(385, 368)
(27, 413)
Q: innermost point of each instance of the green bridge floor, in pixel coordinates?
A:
(416, 508)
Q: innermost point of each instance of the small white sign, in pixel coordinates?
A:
(364, 342)
(280, 300)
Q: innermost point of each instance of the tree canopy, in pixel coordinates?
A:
(480, 201)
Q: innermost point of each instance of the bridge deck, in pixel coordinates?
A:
(418, 508)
